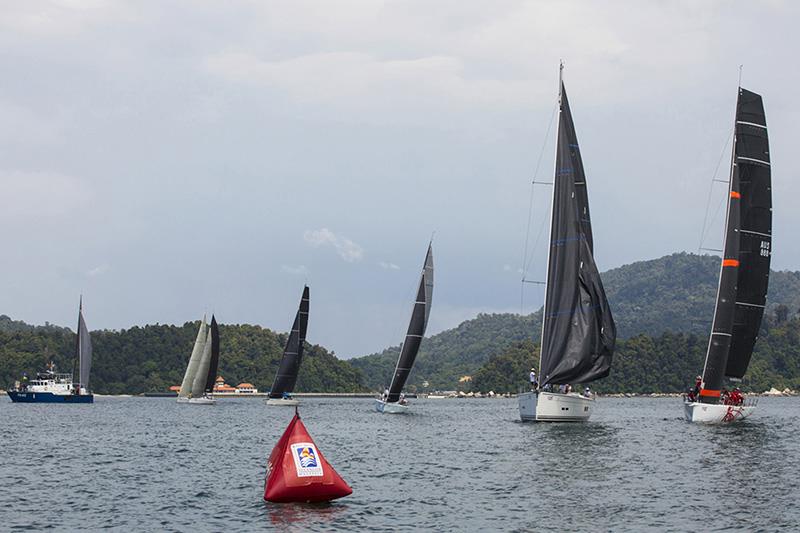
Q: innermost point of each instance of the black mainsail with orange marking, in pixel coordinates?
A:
(744, 276)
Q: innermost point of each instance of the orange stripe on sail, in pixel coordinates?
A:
(730, 262)
(735, 194)
(711, 393)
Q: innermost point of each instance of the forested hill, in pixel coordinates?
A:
(152, 358)
(674, 293)
(666, 363)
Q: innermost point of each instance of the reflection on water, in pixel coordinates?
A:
(453, 465)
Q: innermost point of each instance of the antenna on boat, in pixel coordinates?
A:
(740, 75)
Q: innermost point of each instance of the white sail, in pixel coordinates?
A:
(200, 375)
(194, 360)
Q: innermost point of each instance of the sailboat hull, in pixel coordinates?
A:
(48, 397)
(390, 408)
(705, 413)
(554, 407)
(288, 402)
(203, 400)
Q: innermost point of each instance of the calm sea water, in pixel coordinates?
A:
(140, 464)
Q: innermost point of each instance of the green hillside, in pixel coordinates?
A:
(662, 308)
(666, 363)
(152, 358)
(674, 293)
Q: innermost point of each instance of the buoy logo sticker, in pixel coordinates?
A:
(306, 459)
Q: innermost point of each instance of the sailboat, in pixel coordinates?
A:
(53, 387)
(286, 377)
(392, 400)
(744, 273)
(198, 380)
(578, 331)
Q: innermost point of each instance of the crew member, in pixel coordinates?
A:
(534, 381)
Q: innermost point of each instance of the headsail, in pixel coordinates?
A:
(213, 366)
(194, 360)
(744, 275)
(84, 350)
(286, 377)
(578, 332)
(416, 329)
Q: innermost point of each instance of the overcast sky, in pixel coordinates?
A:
(171, 158)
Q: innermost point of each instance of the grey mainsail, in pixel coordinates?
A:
(289, 368)
(201, 374)
(84, 350)
(416, 329)
(744, 273)
(578, 331)
(194, 360)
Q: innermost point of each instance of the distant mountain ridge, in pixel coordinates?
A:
(674, 293)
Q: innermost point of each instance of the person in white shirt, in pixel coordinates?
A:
(534, 382)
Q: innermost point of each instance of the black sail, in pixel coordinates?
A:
(579, 334)
(416, 329)
(214, 365)
(286, 377)
(744, 276)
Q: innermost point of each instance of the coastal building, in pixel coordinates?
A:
(246, 388)
(220, 387)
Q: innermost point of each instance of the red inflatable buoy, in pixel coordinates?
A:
(298, 472)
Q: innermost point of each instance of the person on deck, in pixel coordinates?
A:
(736, 397)
(587, 393)
(534, 381)
(698, 381)
(690, 395)
(726, 397)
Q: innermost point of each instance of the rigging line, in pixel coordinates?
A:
(530, 210)
(711, 190)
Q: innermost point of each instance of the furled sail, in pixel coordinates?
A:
(201, 374)
(286, 377)
(84, 350)
(194, 360)
(213, 366)
(744, 276)
(416, 329)
(578, 334)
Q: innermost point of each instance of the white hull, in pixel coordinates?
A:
(390, 408)
(182, 399)
(203, 400)
(716, 413)
(289, 402)
(554, 407)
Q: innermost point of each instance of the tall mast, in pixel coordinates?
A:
(718, 348)
(550, 232)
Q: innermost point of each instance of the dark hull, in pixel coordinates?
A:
(48, 397)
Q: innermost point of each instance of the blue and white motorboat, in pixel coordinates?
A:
(52, 387)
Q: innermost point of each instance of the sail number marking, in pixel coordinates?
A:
(764, 249)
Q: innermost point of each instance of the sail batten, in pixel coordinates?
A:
(289, 367)
(744, 274)
(416, 329)
(578, 332)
